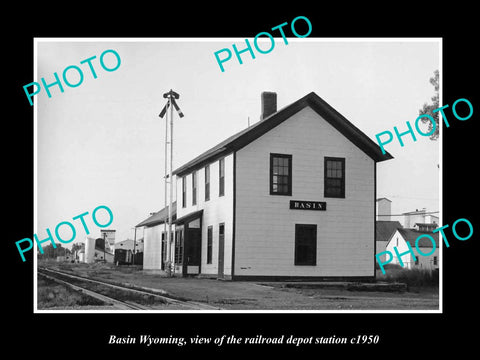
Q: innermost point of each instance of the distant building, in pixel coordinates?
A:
(128, 245)
(127, 250)
(109, 235)
(95, 250)
(419, 216)
(80, 256)
(385, 227)
(384, 209)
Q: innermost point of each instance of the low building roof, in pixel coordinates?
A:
(411, 236)
(189, 217)
(385, 229)
(246, 136)
(160, 216)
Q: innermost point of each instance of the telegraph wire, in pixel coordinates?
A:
(412, 213)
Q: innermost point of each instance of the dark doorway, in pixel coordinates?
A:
(192, 243)
(305, 244)
(192, 251)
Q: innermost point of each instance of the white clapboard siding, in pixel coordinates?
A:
(152, 251)
(265, 226)
(215, 211)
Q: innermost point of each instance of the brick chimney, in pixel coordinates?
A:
(269, 104)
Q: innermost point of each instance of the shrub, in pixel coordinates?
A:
(414, 277)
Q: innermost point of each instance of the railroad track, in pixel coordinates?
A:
(117, 293)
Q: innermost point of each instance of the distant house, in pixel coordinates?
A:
(399, 240)
(384, 231)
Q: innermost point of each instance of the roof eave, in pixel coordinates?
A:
(332, 116)
(154, 222)
(345, 127)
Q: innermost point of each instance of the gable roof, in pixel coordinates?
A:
(246, 136)
(160, 216)
(385, 229)
(411, 236)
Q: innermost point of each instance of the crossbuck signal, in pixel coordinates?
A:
(171, 95)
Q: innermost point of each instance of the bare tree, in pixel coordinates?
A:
(428, 108)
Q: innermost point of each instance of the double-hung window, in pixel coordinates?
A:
(334, 183)
(280, 174)
(178, 247)
(194, 188)
(207, 182)
(184, 191)
(221, 177)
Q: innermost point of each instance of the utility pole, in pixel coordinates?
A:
(171, 187)
(134, 245)
(166, 179)
(104, 246)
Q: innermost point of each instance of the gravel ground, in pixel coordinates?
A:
(247, 295)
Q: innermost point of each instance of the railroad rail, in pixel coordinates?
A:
(80, 283)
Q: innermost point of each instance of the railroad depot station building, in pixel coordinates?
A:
(292, 196)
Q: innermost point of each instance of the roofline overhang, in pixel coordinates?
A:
(246, 136)
(189, 217)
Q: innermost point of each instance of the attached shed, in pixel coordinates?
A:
(154, 243)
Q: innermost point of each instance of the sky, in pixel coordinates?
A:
(102, 143)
